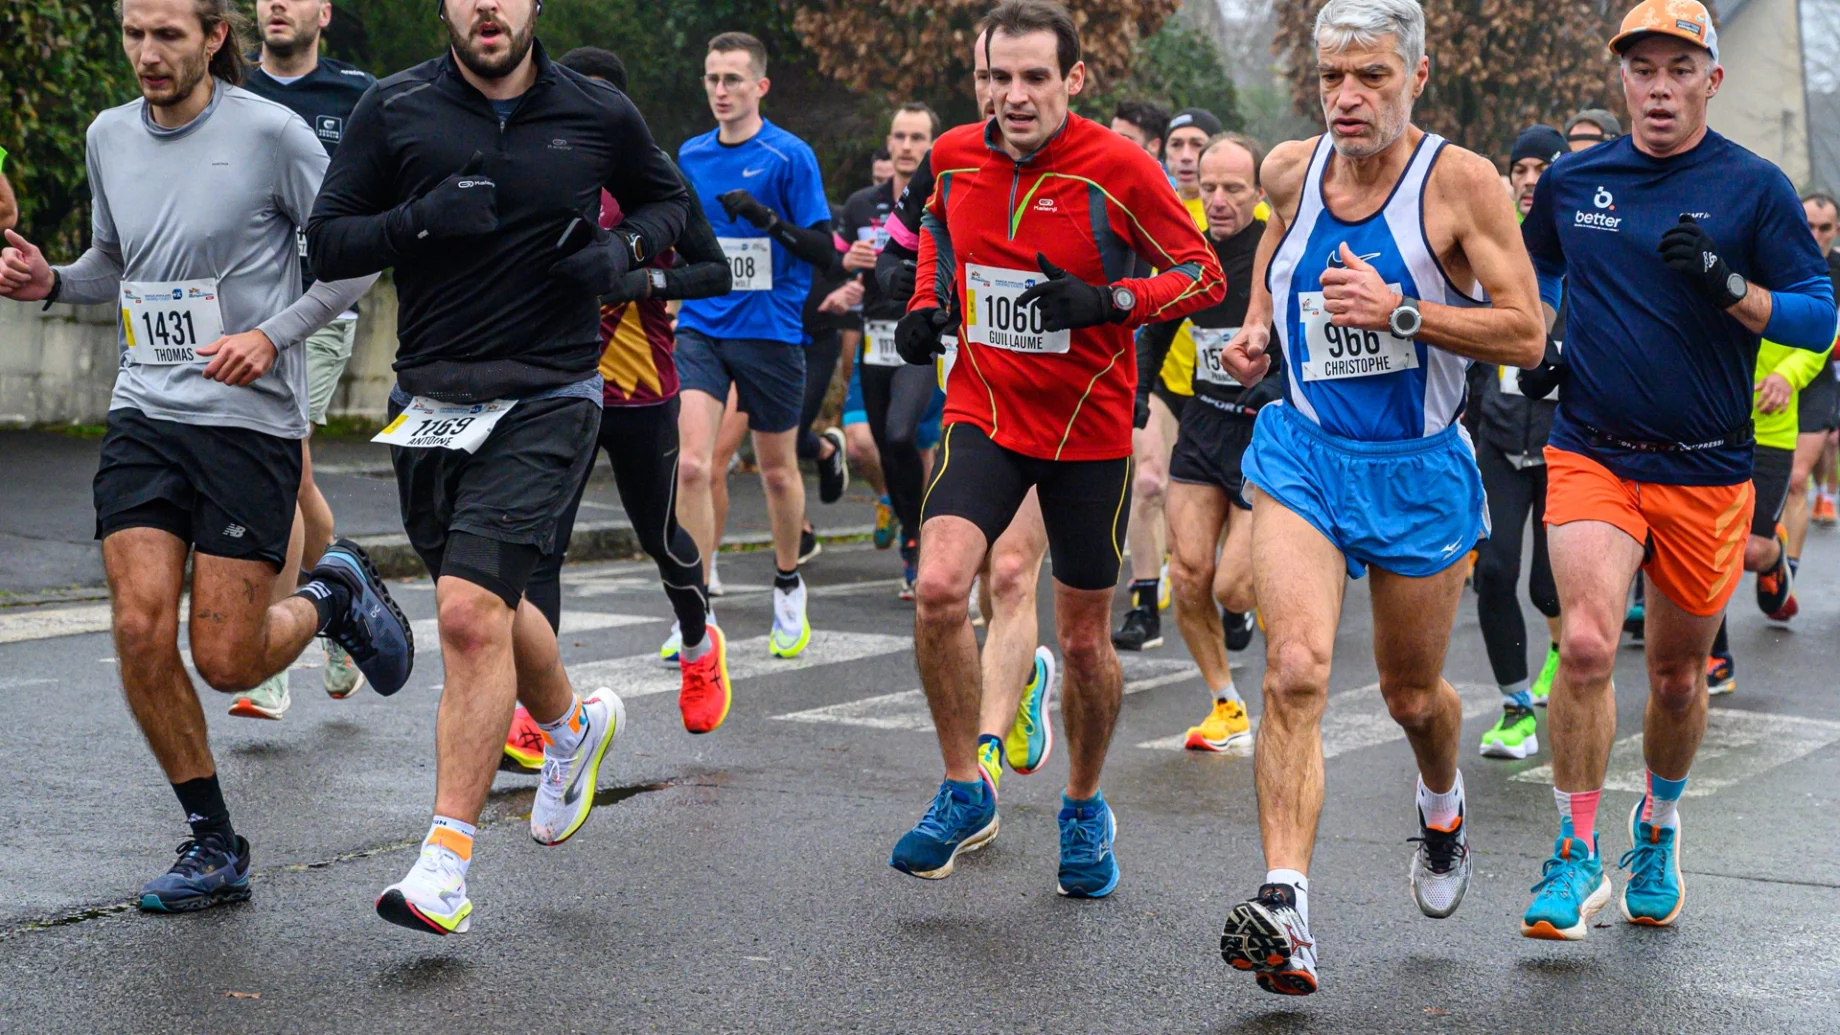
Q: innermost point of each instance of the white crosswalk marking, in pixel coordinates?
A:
(642, 674)
(1738, 746)
(60, 621)
(428, 630)
(1358, 719)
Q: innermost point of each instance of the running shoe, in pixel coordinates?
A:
(707, 691)
(1225, 729)
(342, 676)
(1514, 735)
(523, 745)
(1635, 619)
(910, 568)
(1776, 587)
(791, 630)
(1721, 675)
(1164, 590)
(268, 700)
(1824, 513)
(432, 897)
(1655, 890)
(565, 795)
(1142, 630)
(1238, 626)
(1440, 868)
(953, 824)
(673, 644)
(1088, 867)
(809, 546)
(1267, 936)
(884, 523)
(1571, 890)
(1542, 686)
(990, 762)
(715, 587)
(373, 629)
(1031, 737)
(207, 873)
(833, 471)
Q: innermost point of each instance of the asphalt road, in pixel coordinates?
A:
(739, 881)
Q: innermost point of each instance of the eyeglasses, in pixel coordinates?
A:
(730, 81)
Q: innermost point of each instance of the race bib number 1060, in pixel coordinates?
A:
(164, 324)
(994, 318)
(1333, 353)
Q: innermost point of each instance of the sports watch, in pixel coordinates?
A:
(634, 246)
(1406, 320)
(656, 276)
(1123, 298)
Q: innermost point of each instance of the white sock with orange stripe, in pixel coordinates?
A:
(454, 837)
(562, 737)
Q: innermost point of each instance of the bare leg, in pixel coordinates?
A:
(1593, 563)
(476, 702)
(779, 474)
(1013, 574)
(865, 461)
(1233, 571)
(1795, 511)
(1412, 621)
(728, 440)
(146, 570)
(1093, 688)
(945, 648)
(314, 510)
(1150, 448)
(1299, 577)
(1197, 513)
(698, 420)
(238, 637)
(1827, 469)
(1675, 720)
(542, 683)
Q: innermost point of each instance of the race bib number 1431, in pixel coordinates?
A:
(164, 324)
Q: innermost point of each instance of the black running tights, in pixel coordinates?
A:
(1514, 495)
(896, 399)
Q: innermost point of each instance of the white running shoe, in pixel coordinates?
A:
(673, 644)
(432, 897)
(268, 700)
(1268, 937)
(1440, 868)
(715, 581)
(791, 632)
(342, 676)
(565, 794)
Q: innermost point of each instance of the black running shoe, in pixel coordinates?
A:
(834, 470)
(373, 629)
(809, 546)
(1239, 626)
(1142, 630)
(207, 873)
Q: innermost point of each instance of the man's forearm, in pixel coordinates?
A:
(1503, 335)
(324, 300)
(94, 278)
(344, 247)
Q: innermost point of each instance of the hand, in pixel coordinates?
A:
(1690, 251)
(1244, 356)
(635, 285)
(1140, 412)
(916, 337)
(1067, 303)
(239, 358)
(843, 299)
(596, 267)
(861, 256)
(25, 276)
(895, 275)
(1773, 394)
(1545, 379)
(463, 205)
(739, 204)
(1355, 296)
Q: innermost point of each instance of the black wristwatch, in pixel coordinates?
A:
(1406, 320)
(634, 245)
(656, 277)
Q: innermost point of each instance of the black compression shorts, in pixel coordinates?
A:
(1818, 404)
(1208, 450)
(1771, 470)
(1085, 504)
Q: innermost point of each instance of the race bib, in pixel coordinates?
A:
(1511, 380)
(1208, 343)
(164, 324)
(1335, 353)
(993, 317)
(878, 344)
(426, 424)
(947, 358)
(750, 262)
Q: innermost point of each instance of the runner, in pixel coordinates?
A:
(322, 92)
(199, 189)
(1382, 244)
(832, 320)
(1591, 127)
(1510, 433)
(495, 415)
(1040, 396)
(1206, 489)
(761, 188)
(1143, 124)
(1678, 250)
(881, 167)
(1151, 444)
(896, 397)
(1818, 406)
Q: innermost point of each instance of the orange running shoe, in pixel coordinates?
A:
(707, 691)
(524, 745)
(1824, 513)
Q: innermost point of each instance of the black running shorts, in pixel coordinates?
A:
(1818, 404)
(229, 492)
(1085, 504)
(1771, 470)
(1208, 450)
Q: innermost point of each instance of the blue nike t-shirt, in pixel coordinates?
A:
(1648, 358)
(781, 172)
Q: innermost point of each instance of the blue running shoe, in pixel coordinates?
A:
(206, 874)
(1031, 736)
(953, 824)
(1655, 889)
(373, 630)
(1571, 890)
(1088, 868)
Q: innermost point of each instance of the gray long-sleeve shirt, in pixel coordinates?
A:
(219, 198)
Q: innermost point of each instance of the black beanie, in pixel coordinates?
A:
(1542, 142)
(1200, 118)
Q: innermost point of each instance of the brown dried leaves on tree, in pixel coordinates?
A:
(1496, 67)
(919, 47)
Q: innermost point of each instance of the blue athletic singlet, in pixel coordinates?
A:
(1366, 385)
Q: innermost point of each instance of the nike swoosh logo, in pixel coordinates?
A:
(570, 796)
(750, 173)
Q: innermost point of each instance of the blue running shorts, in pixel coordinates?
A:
(1411, 507)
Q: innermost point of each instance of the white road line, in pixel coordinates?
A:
(428, 630)
(1738, 746)
(13, 684)
(61, 621)
(642, 674)
(1357, 719)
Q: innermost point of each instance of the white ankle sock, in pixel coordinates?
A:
(1441, 809)
(1230, 692)
(454, 837)
(563, 736)
(1298, 883)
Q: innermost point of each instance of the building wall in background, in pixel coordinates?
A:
(1762, 104)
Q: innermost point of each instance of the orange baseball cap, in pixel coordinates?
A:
(1683, 19)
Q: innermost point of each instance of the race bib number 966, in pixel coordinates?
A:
(1333, 353)
(993, 316)
(164, 324)
(750, 262)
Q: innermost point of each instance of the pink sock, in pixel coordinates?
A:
(1581, 808)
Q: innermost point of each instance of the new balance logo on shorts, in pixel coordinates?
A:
(234, 531)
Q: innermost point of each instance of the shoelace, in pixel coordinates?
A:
(194, 857)
(1083, 840)
(788, 604)
(1647, 866)
(703, 683)
(1555, 871)
(943, 816)
(1442, 849)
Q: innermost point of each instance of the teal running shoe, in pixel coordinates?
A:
(1542, 687)
(954, 823)
(1655, 889)
(1031, 736)
(207, 873)
(884, 523)
(1635, 620)
(1572, 889)
(1088, 867)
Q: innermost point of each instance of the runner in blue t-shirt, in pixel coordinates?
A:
(765, 198)
(1678, 249)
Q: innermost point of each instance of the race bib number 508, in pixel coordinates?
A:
(994, 317)
(1333, 353)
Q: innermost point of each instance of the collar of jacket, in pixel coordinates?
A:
(993, 139)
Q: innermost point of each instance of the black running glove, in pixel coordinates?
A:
(593, 260)
(1066, 302)
(739, 204)
(895, 276)
(463, 205)
(916, 337)
(1546, 378)
(1689, 250)
(1140, 411)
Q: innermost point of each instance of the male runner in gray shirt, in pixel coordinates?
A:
(199, 190)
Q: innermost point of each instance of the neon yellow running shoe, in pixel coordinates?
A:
(1543, 685)
(1225, 728)
(1031, 736)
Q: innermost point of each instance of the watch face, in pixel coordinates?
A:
(1735, 285)
(1124, 299)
